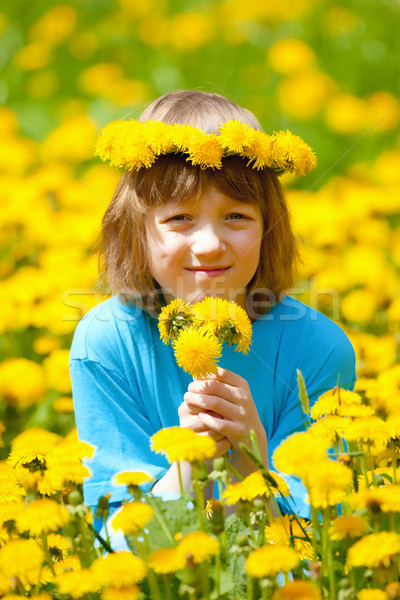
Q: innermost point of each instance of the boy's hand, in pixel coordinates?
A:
(224, 403)
(189, 418)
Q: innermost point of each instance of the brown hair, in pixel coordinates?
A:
(122, 244)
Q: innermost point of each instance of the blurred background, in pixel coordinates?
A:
(327, 70)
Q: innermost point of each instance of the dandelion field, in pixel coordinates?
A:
(328, 71)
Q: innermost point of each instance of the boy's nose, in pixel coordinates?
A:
(207, 240)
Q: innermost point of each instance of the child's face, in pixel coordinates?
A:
(207, 248)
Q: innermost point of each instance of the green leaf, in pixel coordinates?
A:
(180, 516)
(305, 404)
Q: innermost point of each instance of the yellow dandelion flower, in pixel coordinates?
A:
(131, 592)
(19, 557)
(123, 143)
(22, 382)
(213, 508)
(58, 544)
(132, 149)
(270, 560)
(248, 489)
(374, 550)
(10, 510)
(254, 485)
(32, 460)
(179, 443)
(76, 583)
(119, 569)
(368, 429)
(166, 560)
(280, 533)
(173, 318)
(64, 463)
(355, 410)
(199, 546)
(42, 516)
(237, 329)
(212, 312)
(297, 590)
(197, 352)
(348, 526)
(183, 136)
(235, 137)
(158, 136)
(383, 499)
(393, 427)
(206, 151)
(329, 428)
(64, 404)
(260, 152)
(332, 401)
(133, 517)
(295, 455)
(291, 153)
(69, 563)
(10, 488)
(372, 594)
(131, 478)
(30, 449)
(37, 438)
(327, 482)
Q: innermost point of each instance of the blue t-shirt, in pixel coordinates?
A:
(127, 386)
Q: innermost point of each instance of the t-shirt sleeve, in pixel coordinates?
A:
(109, 417)
(322, 371)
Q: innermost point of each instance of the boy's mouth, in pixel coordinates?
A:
(209, 271)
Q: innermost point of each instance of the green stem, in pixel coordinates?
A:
(102, 541)
(264, 592)
(47, 553)
(217, 573)
(227, 466)
(224, 549)
(328, 552)
(250, 526)
(106, 530)
(261, 527)
(364, 469)
(316, 530)
(234, 472)
(180, 478)
(372, 466)
(167, 585)
(144, 550)
(250, 588)
(198, 490)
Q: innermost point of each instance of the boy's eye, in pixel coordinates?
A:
(177, 218)
(236, 216)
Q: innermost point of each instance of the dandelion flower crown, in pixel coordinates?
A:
(134, 145)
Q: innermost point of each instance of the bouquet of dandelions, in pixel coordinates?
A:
(198, 331)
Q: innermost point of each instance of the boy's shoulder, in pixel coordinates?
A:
(302, 325)
(103, 327)
(310, 341)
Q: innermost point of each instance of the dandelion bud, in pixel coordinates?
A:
(219, 464)
(75, 498)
